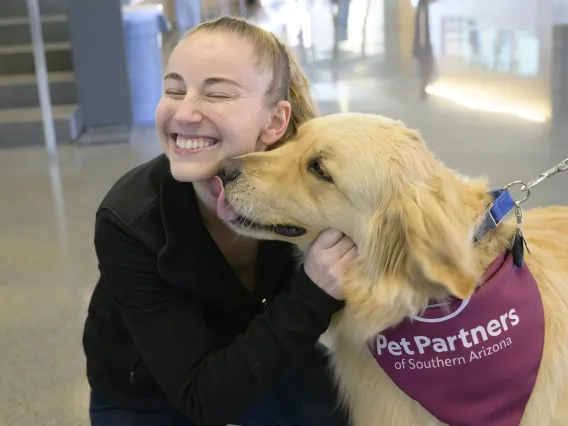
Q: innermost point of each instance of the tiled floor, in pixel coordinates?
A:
(47, 264)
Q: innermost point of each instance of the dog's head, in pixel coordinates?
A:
(373, 179)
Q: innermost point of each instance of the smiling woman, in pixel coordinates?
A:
(190, 323)
(234, 75)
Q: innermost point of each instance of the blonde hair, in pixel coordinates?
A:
(289, 82)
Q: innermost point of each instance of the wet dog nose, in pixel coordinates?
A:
(230, 170)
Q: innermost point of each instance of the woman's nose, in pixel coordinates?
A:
(188, 112)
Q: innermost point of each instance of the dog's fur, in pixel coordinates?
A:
(412, 220)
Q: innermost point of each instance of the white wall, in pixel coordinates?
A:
(560, 11)
(536, 16)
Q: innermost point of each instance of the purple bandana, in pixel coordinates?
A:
(472, 362)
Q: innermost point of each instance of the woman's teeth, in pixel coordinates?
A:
(196, 143)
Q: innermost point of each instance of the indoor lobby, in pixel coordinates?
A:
(496, 107)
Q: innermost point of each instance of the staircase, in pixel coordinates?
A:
(20, 115)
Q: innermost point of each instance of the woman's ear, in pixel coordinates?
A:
(273, 131)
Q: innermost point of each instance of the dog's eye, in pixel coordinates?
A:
(317, 168)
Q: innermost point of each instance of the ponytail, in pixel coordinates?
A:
(299, 96)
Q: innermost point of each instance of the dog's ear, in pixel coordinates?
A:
(429, 226)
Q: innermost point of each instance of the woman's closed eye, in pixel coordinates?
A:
(214, 96)
(175, 93)
(219, 96)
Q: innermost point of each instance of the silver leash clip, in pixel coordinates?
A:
(558, 168)
(520, 244)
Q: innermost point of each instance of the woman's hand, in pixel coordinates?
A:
(329, 258)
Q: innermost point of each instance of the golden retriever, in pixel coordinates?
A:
(412, 220)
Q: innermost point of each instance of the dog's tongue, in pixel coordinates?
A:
(224, 210)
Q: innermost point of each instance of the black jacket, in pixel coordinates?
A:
(169, 321)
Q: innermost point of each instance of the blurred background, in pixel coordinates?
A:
(485, 81)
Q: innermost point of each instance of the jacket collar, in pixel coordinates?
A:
(192, 261)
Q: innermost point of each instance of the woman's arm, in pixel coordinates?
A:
(211, 386)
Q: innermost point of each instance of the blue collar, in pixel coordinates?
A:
(502, 204)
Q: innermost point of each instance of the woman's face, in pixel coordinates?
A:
(214, 105)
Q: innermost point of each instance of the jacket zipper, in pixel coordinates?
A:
(265, 303)
(133, 370)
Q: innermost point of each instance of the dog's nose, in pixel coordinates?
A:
(230, 170)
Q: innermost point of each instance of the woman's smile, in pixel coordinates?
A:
(189, 144)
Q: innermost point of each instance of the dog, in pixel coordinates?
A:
(415, 223)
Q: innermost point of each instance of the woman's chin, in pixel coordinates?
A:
(192, 172)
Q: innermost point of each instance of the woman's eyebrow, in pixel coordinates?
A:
(217, 80)
(173, 76)
(208, 82)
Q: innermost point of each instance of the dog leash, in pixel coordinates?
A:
(528, 187)
(559, 168)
